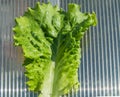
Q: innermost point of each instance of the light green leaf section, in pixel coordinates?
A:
(50, 39)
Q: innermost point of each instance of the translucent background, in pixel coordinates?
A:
(99, 72)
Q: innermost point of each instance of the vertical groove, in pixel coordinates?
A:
(109, 71)
(111, 43)
(113, 67)
(13, 79)
(2, 52)
(116, 42)
(1, 69)
(102, 47)
(0, 49)
(108, 51)
(116, 61)
(106, 60)
(21, 83)
(91, 57)
(7, 48)
(5, 57)
(117, 29)
(11, 49)
(118, 53)
(12, 72)
(99, 65)
(17, 90)
(2, 82)
(94, 55)
(103, 41)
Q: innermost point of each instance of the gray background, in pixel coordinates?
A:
(99, 72)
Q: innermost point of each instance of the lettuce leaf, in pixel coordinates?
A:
(50, 39)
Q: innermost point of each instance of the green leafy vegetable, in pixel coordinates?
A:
(50, 39)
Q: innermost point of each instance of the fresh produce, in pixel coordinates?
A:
(50, 40)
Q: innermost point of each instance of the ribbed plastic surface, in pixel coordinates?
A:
(99, 72)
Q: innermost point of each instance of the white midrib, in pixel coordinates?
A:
(47, 87)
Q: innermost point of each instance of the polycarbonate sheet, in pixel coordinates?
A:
(99, 72)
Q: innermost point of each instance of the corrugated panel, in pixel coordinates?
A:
(99, 72)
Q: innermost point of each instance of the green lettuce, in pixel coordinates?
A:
(50, 39)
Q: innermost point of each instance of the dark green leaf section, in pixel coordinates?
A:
(50, 39)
